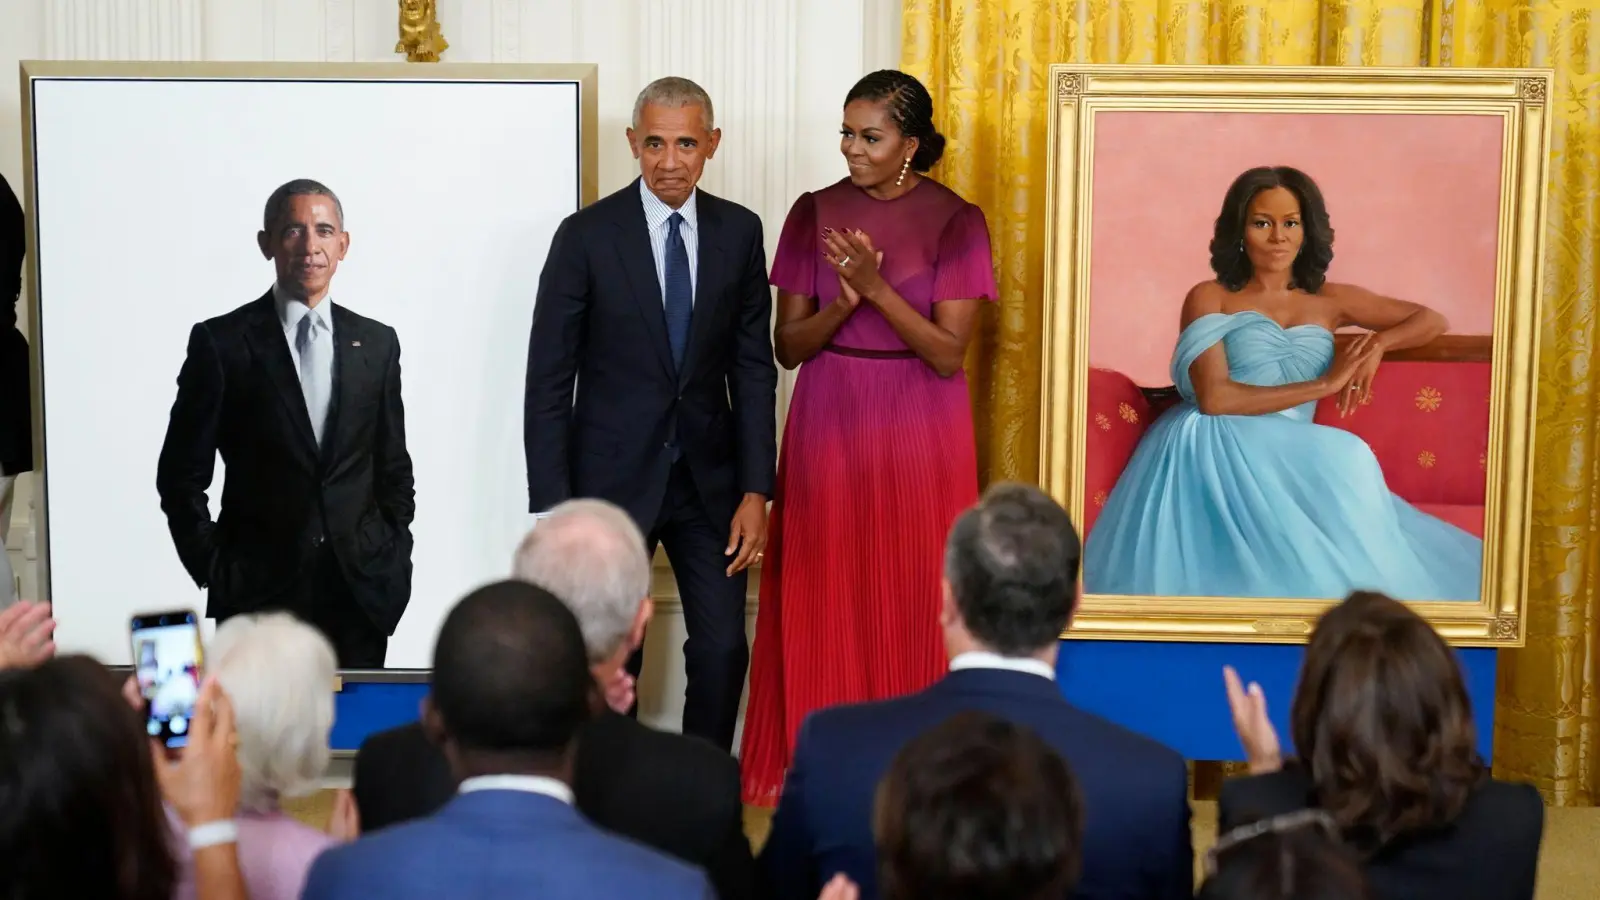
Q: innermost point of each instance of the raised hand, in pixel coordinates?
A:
(26, 630)
(1256, 734)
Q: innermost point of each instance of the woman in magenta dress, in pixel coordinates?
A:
(879, 279)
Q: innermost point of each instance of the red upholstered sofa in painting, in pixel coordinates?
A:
(1428, 425)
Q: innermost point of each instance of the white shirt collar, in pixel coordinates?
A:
(291, 310)
(982, 659)
(657, 212)
(527, 784)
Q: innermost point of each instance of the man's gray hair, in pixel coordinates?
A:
(300, 187)
(673, 92)
(1012, 563)
(591, 555)
(278, 673)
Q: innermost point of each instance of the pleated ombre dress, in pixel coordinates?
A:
(877, 462)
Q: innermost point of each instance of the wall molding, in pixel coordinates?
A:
(111, 29)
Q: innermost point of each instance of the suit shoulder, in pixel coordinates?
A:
(1252, 797)
(233, 320)
(622, 855)
(392, 740)
(607, 209)
(1509, 802)
(737, 215)
(1135, 749)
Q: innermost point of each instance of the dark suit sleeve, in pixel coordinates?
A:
(732, 867)
(753, 380)
(189, 454)
(559, 315)
(785, 870)
(1175, 850)
(395, 488)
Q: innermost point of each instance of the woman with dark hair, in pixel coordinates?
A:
(1235, 491)
(82, 815)
(1297, 856)
(879, 278)
(978, 807)
(1386, 746)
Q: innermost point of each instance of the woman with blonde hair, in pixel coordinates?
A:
(278, 673)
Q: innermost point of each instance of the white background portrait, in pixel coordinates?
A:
(149, 196)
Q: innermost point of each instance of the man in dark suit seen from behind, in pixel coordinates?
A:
(654, 300)
(511, 690)
(676, 793)
(301, 398)
(1010, 587)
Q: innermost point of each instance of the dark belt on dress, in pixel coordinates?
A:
(868, 354)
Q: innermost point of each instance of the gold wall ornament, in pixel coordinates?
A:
(420, 37)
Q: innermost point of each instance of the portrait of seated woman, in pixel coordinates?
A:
(1235, 490)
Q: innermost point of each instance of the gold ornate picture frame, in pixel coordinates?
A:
(1114, 128)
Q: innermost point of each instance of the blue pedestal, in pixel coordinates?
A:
(1171, 692)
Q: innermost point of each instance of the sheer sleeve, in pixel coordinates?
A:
(794, 265)
(965, 269)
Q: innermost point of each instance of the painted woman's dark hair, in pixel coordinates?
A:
(910, 108)
(1228, 257)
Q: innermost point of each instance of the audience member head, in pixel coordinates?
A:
(978, 807)
(80, 810)
(511, 683)
(278, 673)
(13, 245)
(591, 556)
(1298, 856)
(1382, 722)
(1010, 574)
(674, 133)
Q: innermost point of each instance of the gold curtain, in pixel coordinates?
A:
(985, 61)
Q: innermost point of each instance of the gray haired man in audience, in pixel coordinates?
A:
(1010, 588)
(675, 793)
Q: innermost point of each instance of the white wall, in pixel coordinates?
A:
(777, 70)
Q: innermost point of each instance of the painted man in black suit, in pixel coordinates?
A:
(302, 400)
(655, 300)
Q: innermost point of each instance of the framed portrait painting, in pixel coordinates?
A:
(1291, 333)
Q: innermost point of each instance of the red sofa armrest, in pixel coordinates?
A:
(1428, 421)
(1119, 413)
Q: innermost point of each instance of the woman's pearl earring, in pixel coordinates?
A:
(904, 168)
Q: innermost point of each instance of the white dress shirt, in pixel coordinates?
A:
(656, 214)
(527, 784)
(980, 659)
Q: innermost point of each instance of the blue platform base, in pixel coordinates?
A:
(1173, 692)
(1168, 691)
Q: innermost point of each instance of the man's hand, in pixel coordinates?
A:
(748, 534)
(25, 635)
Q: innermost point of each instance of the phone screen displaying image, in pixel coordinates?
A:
(167, 663)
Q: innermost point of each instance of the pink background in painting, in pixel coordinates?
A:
(1414, 202)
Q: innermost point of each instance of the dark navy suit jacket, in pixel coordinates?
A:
(489, 845)
(1136, 840)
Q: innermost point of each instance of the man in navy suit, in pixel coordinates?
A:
(1010, 586)
(511, 688)
(654, 300)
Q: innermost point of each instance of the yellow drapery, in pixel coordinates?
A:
(985, 61)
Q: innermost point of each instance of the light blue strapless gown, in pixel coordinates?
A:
(1270, 505)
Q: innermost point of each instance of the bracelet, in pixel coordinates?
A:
(212, 834)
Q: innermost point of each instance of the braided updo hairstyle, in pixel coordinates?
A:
(910, 107)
